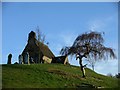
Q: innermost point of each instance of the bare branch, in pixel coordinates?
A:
(40, 35)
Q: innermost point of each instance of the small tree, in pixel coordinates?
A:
(89, 45)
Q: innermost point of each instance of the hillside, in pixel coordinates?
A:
(52, 76)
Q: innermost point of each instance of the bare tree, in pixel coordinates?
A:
(89, 45)
(40, 35)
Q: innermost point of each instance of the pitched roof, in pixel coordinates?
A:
(45, 50)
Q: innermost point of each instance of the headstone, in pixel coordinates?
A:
(20, 59)
(31, 60)
(26, 58)
(9, 58)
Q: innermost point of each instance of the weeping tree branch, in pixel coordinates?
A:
(89, 45)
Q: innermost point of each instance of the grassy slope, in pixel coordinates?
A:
(52, 75)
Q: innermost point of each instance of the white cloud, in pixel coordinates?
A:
(64, 38)
(95, 25)
(99, 23)
(68, 37)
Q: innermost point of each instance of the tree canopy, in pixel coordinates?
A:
(90, 45)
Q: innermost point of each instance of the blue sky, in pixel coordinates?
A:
(61, 23)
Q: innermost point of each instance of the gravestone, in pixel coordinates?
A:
(20, 59)
(26, 58)
(9, 58)
(31, 60)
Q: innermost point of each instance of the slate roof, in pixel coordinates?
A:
(45, 50)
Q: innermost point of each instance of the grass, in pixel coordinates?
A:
(52, 76)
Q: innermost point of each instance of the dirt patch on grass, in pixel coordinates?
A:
(57, 71)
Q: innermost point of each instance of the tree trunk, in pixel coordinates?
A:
(82, 67)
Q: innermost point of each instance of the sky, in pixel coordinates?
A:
(61, 23)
